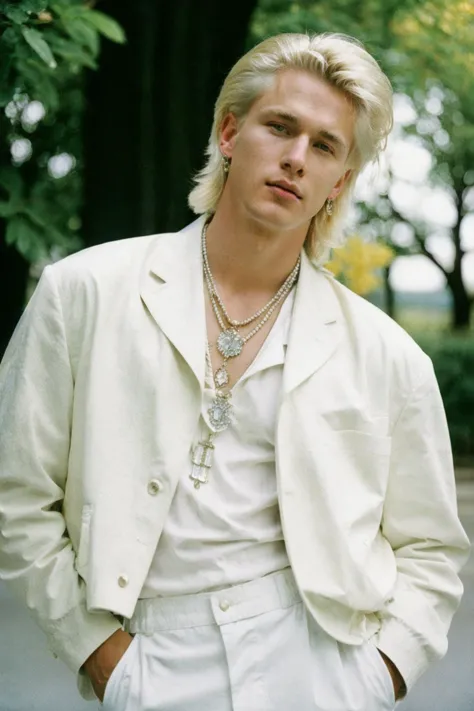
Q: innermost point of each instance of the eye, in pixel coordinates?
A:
(324, 147)
(278, 127)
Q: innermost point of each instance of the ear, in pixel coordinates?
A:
(339, 185)
(229, 130)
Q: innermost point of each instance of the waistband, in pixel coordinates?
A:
(275, 591)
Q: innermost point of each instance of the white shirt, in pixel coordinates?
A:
(229, 531)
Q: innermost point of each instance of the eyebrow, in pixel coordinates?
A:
(294, 121)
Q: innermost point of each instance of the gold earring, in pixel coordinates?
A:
(329, 206)
(226, 163)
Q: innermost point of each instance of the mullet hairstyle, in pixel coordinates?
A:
(344, 64)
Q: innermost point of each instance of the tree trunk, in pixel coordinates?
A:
(150, 112)
(461, 311)
(14, 270)
(389, 293)
(462, 302)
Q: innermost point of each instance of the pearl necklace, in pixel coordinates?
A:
(214, 293)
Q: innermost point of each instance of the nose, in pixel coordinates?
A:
(294, 158)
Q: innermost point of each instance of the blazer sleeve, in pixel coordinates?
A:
(421, 523)
(37, 560)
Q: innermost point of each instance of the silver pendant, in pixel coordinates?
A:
(220, 413)
(221, 376)
(202, 461)
(229, 343)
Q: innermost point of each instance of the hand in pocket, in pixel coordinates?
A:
(103, 661)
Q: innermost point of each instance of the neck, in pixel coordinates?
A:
(246, 257)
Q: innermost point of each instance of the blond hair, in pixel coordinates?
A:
(344, 64)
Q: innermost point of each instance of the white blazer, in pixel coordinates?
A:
(100, 392)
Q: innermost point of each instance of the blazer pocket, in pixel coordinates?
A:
(82, 557)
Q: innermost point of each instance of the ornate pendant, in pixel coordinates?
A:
(202, 461)
(220, 413)
(229, 343)
(221, 376)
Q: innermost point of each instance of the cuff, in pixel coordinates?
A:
(74, 637)
(404, 649)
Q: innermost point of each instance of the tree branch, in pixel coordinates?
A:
(421, 241)
(424, 250)
(459, 252)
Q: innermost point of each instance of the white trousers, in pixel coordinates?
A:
(252, 647)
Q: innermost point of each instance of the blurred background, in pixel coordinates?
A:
(105, 112)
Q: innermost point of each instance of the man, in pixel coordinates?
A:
(226, 481)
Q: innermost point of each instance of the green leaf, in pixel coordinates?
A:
(62, 10)
(40, 46)
(39, 83)
(107, 26)
(6, 90)
(34, 6)
(6, 60)
(9, 37)
(72, 52)
(35, 218)
(83, 33)
(5, 95)
(16, 15)
(28, 240)
(7, 209)
(13, 228)
(47, 92)
(11, 181)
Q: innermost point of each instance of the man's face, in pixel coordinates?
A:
(289, 153)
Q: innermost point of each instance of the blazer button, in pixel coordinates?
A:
(123, 581)
(154, 487)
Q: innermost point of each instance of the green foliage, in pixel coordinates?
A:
(368, 20)
(45, 47)
(106, 26)
(453, 360)
(40, 46)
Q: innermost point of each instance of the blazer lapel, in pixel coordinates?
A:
(172, 290)
(316, 325)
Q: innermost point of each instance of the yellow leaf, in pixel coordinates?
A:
(358, 261)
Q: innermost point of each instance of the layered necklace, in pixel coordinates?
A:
(230, 344)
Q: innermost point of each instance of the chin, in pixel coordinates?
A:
(273, 217)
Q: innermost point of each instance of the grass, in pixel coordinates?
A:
(419, 321)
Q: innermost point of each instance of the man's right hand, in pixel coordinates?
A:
(101, 663)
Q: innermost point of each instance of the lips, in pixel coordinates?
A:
(287, 187)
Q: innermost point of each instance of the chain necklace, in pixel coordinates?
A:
(229, 344)
(214, 293)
